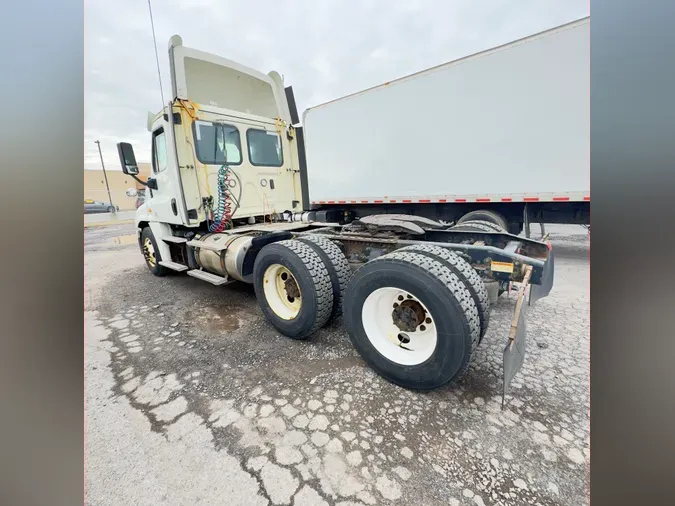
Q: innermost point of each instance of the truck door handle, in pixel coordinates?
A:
(174, 208)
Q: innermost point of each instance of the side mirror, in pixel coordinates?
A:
(132, 192)
(127, 158)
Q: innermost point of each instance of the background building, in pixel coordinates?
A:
(119, 182)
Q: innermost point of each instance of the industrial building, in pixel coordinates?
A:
(119, 183)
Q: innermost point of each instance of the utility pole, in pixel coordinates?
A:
(105, 176)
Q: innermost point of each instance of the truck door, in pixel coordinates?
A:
(163, 204)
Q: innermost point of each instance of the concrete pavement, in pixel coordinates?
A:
(191, 396)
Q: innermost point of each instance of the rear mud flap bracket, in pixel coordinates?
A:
(544, 287)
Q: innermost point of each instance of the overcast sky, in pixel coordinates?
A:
(324, 48)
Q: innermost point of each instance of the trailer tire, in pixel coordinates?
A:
(493, 226)
(467, 274)
(485, 215)
(442, 351)
(476, 226)
(151, 253)
(337, 265)
(293, 288)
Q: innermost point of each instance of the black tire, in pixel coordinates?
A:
(156, 269)
(337, 265)
(485, 215)
(442, 293)
(475, 226)
(467, 274)
(111, 209)
(493, 226)
(313, 281)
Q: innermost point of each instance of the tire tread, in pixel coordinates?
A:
(475, 225)
(339, 268)
(485, 215)
(467, 273)
(319, 274)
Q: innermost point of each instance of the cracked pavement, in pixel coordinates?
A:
(192, 397)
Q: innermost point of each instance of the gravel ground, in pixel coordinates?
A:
(191, 396)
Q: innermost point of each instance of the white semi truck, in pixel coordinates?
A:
(416, 186)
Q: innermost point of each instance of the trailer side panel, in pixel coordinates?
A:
(510, 122)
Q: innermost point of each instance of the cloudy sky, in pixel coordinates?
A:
(324, 48)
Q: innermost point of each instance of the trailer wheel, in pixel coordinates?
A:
(409, 317)
(478, 226)
(467, 274)
(493, 226)
(337, 265)
(151, 253)
(293, 288)
(485, 215)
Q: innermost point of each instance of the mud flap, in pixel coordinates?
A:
(544, 287)
(514, 352)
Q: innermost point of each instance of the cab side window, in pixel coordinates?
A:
(159, 153)
(264, 148)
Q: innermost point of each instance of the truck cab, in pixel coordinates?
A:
(222, 115)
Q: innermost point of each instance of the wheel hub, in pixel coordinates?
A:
(291, 287)
(408, 315)
(399, 326)
(282, 291)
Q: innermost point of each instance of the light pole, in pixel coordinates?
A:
(105, 176)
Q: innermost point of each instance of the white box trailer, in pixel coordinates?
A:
(507, 125)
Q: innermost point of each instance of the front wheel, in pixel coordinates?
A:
(110, 209)
(151, 253)
(293, 288)
(409, 317)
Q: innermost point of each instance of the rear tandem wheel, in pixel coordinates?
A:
(293, 288)
(412, 320)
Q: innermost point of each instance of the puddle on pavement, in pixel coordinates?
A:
(124, 239)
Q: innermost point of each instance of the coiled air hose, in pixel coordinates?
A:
(224, 210)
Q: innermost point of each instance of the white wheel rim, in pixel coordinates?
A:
(388, 338)
(282, 297)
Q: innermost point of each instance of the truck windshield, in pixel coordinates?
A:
(217, 143)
